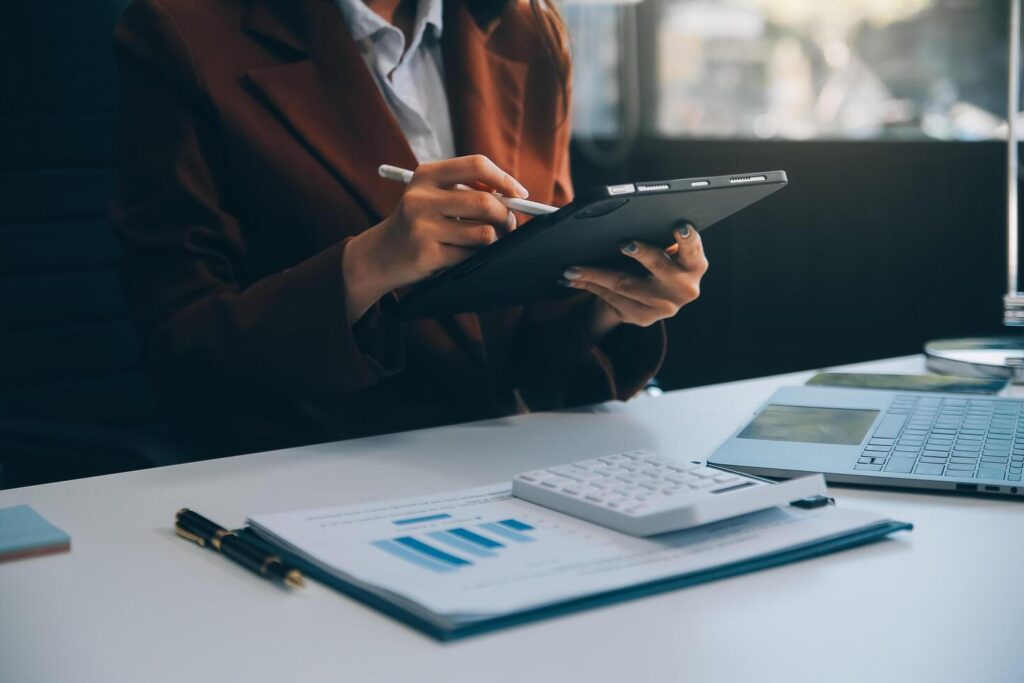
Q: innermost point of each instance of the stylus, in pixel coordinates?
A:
(521, 205)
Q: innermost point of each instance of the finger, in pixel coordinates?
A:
(628, 309)
(652, 258)
(478, 207)
(624, 284)
(465, 234)
(690, 252)
(472, 170)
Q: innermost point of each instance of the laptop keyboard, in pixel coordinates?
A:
(968, 438)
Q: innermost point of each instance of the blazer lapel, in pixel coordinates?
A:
(328, 98)
(485, 99)
(485, 90)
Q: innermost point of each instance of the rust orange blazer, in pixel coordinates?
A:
(251, 131)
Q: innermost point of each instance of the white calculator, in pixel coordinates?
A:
(642, 494)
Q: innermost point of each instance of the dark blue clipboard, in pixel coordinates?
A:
(795, 554)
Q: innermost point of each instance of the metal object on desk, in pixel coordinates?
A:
(999, 357)
(988, 357)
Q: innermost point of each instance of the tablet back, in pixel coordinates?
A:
(526, 265)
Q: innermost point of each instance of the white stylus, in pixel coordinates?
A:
(521, 205)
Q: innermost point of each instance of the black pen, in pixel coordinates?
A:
(199, 529)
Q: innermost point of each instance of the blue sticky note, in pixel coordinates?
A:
(23, 533)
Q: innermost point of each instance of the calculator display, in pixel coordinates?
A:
(838, 426)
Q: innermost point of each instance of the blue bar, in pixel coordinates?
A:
(462, 545)
(431, 551)
(428, 518)
(516, 525)
(410, 556)
(506, 532)
(481, 541)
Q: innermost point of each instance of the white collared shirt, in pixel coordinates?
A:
(415, 91)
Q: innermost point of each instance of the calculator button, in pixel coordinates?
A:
(565, 471)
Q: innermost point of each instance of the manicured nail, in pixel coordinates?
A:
(565, 283)
(628, 247)
(511, 221)
(523, 194)
(683, 231)
(572, 274)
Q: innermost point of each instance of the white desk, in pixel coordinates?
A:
(132, 602)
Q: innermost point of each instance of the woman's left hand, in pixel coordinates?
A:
(643, 300)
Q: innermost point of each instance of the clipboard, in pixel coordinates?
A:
(525, 266)
(410, 618)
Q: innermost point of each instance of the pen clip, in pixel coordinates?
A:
(192, 537)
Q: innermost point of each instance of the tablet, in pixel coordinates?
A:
(525, 265)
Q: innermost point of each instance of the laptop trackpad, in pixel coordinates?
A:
(837, 426)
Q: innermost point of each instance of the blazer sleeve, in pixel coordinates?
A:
(185, 255)
(557, 363)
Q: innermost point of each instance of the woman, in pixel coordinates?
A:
(262, 253)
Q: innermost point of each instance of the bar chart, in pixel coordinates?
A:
(450, 550)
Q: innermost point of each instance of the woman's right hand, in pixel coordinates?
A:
(434, 226)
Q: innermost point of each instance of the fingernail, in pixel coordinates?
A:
(511, 221)
(565, 283)
(523, 194)
(628, 247)
(572, 274)
(684, 231)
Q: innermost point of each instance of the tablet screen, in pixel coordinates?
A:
(838, 426)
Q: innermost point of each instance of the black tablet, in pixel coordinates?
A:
(526, 265)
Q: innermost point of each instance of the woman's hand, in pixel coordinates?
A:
(435, 225)
(673, 282)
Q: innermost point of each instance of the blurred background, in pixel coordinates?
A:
(886, 114)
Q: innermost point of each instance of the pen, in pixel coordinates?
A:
(199, 529)
(521, 205)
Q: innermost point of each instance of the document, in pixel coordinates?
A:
(478, 553)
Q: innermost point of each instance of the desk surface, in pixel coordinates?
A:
(132, 602)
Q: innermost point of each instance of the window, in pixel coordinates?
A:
(799, 69)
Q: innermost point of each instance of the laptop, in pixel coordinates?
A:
(902, 439)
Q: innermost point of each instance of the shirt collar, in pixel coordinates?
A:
(363, 22)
